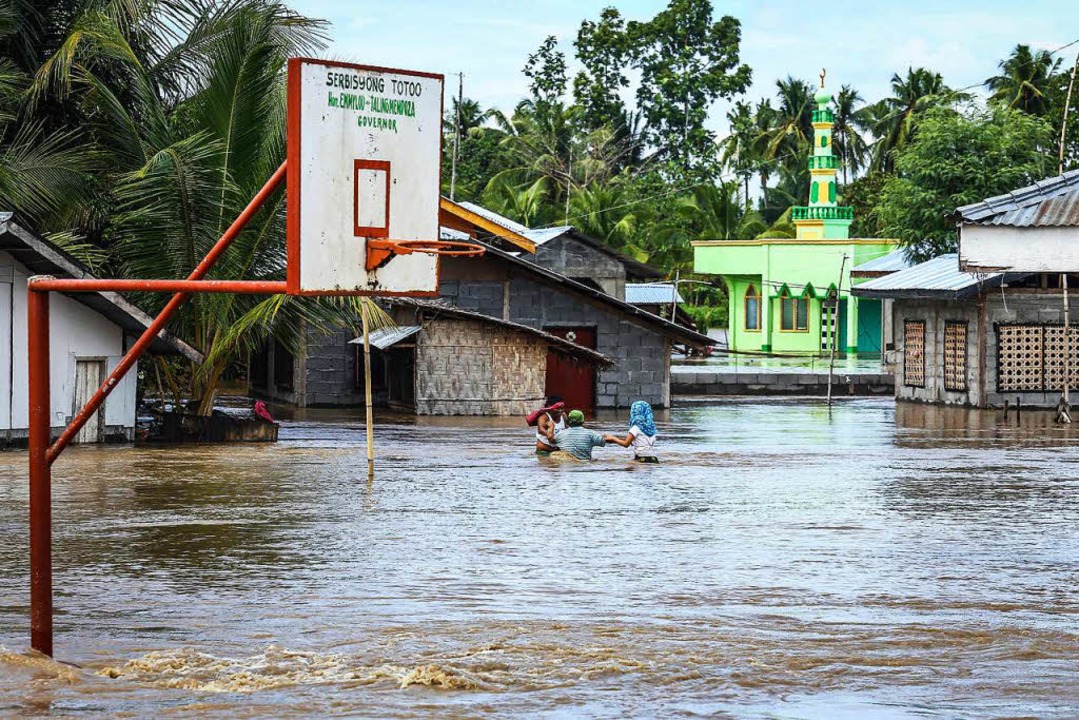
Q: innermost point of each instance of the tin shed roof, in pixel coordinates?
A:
(937, 278)
(651, 294)
(1053, 202)
(892, 262)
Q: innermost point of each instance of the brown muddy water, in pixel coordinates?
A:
(778, 564)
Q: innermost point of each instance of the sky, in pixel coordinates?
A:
(860, 43)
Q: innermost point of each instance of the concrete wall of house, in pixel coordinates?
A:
(464, 367)
(76, 333)
(329, 371)
(490, 286)
(1015, 305)
(576, 259)
(935, 313)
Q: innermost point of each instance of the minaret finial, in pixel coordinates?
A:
(822, 73)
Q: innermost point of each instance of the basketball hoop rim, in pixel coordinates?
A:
(452, 248)
(379, 251)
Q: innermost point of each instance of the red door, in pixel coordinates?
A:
(574, 380)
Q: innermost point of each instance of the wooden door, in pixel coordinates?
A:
(89, 374)
(574, 380)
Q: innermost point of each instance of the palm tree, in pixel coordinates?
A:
(1024, 81)
(893, 119)
(739, 148)
(472, 117)
(43, 174)
(847, 140)
(791, 132)
(187, 108)
(715, 212)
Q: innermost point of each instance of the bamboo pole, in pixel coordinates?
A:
(1067, 342)
(370, 424)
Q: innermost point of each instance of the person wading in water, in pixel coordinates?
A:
(642, 433)
(551, 420)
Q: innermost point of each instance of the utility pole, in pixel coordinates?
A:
(1064, 124)
(457, 134)
(569, 183)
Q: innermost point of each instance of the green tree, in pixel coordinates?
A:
(546, 72)
(739, 147)
(893, 120)
(955, 159)
(863, 194)
(603, 50)
(789, 138)
(187, 115)
(1026, 81)
(849, 145)
(687, 61)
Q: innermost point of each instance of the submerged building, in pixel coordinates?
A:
(778, 286)
(969, 332)
(90, 332)
(574, 336)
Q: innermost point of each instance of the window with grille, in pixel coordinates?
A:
(1031, 358)
(955, 356)
(914, 353)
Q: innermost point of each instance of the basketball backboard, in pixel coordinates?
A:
(364, 163)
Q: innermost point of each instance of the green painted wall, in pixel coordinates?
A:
(771, 263)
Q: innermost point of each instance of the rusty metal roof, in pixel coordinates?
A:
(1053, 202)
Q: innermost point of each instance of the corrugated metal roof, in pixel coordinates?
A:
(439, 308)
(495, 218)
(936, 278)
(892, 262)
(1024, 207)
(1060, 211)
(387, 337)
(445, 233)
(542, 235)
(651, 294)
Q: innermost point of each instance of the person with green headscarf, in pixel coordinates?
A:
(577, 440)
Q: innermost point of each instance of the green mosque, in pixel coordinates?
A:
(778, 287)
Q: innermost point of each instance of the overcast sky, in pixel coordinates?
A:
(860, 43)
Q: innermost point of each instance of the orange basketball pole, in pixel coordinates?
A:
(42, 456)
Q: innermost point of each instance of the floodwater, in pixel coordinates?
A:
(881, 563)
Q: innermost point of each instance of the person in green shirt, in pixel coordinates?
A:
(577, 440)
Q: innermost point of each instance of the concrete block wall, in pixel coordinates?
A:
(643, 371)
(329, 371)
(935, 313)
(572, 257)
(1015, 305)
(485, 296)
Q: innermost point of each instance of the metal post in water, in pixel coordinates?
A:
(40, 431)
(367, 388)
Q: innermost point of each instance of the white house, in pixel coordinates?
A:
(89, 333)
